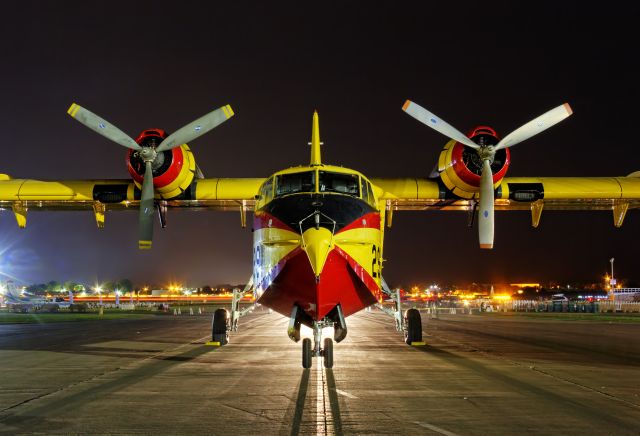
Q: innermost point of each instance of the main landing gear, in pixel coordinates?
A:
(317, 348)
(410, 324)
(222, 323)
(220, 327)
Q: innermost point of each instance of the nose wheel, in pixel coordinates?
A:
(306, 353)
(325, 352)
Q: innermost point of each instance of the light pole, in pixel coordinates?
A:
(613, 283)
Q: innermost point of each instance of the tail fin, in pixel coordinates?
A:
(11, 293)
(315, 141)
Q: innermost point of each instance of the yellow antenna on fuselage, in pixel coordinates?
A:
(315, 141)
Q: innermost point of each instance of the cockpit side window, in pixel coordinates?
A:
(266, 191)
(367, 192)
(340, 183)
(296, 182)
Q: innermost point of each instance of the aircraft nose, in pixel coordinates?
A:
(317, 243)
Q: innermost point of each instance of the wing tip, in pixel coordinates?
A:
(406, 105)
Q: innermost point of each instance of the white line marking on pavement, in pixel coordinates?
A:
(435, 428)
(346, 394)
(321, 428)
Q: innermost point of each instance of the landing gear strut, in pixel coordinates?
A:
(410, 324)
(222, 323)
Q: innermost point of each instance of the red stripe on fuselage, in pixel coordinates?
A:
(295, 284)
(264, 220)
(367, 221)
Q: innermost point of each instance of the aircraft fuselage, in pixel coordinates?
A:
(317, 242)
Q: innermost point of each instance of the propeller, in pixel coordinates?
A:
(148, 154)
(487, 154)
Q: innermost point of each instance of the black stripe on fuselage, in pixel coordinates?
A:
(294, 208)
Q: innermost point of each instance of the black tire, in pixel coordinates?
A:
(219, 327)
(328, 353)
(413, 324)
(306, 353)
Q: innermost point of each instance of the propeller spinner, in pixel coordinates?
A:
(148, 154)
(487, 154)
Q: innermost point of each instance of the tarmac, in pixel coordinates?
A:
(478, 374)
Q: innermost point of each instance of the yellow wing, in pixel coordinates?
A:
(616, 194)
(22, 195)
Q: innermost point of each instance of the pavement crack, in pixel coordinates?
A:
(60, 389)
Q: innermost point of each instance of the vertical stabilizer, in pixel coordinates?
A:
(315, 141)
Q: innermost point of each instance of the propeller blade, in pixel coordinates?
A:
(437, 124)
(485, 218)
(535, 126)
(147, 209)
(196, 128)
(102, 127)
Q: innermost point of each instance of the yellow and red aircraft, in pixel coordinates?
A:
(318, 228)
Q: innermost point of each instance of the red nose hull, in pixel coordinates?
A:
(295, 284)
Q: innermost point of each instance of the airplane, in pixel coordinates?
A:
(318, 229)
(25, 302)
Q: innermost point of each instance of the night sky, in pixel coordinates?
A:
(154, 64)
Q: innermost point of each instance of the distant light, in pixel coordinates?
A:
(502, 297)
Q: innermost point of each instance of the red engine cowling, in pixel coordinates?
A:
(460, 166)
(173, 170)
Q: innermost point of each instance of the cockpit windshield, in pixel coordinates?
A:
(340, 183)
(296, 182)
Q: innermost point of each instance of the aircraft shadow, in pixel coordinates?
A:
(300, 400)
(333, 402)
(303, 388)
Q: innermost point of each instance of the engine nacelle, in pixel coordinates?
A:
(460, 166)
(173, 170)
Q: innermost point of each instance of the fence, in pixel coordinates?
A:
(533, 306)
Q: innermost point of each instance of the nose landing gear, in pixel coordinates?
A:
(317, 348)
(325, 352)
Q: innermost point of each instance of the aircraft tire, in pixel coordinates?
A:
(328, 353)
(219, 327)
(306, 353)
(414, 326)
